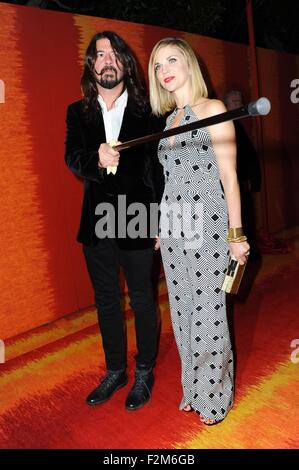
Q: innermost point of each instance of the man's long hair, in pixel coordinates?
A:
(133, 76)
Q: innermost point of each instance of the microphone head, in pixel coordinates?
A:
(260, 107)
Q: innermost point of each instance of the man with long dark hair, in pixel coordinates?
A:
(115, 107)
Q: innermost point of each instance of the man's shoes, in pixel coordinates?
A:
(140, 393)
(113, 381)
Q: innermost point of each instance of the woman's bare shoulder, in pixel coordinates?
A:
(213, 106)
(208, 108)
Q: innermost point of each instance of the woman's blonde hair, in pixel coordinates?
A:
(162, 100)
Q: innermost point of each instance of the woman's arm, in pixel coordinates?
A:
(223, 140)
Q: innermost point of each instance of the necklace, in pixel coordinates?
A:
(192, 105)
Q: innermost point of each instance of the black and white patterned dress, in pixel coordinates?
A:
(195, 260)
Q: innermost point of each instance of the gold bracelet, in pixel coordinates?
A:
(235, 232)
(240, 239)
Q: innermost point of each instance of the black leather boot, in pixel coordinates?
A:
(140, 393)
(113, 381)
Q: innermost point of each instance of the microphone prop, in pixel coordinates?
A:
(260, 107)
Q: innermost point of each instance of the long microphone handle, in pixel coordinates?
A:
(260, 107)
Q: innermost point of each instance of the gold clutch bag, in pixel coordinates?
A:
(233, 276)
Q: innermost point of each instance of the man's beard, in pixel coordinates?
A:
(108, 83)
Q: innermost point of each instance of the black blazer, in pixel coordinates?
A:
(134, 177)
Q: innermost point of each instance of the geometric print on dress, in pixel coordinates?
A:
(194, 276)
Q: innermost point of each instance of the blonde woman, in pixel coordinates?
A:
(201, 188)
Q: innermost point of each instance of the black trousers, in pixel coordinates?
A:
(103, 264)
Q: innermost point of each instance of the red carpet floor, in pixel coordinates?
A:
(49, 372)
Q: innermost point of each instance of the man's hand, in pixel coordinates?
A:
(108, 158)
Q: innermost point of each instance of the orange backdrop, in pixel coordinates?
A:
(42, 273)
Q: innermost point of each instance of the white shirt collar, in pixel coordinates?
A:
(120, 101)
